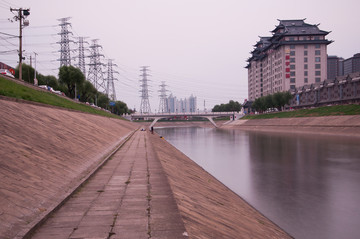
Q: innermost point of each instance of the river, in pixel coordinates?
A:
(309, 185)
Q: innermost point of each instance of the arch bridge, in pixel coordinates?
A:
(207, 115)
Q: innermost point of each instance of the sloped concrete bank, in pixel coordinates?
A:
(347, 125)
(45, 153)
(208, 208)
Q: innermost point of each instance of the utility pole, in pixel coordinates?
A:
(22, 14)
(35, 79)
(145, 104)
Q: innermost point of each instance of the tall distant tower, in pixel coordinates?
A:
(163, 106)
(95, 75)
(81, 56)
(145, 105)
(110, 88)
(65, 59)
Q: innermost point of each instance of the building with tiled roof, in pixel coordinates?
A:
(295, 55)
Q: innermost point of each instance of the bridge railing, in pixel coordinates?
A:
(185, 114)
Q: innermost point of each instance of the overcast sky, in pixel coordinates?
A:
(197, 47)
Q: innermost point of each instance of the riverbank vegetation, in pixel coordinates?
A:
(12, 89)
(274, 101)
(229, 107)
(313, 112)
(71, 79)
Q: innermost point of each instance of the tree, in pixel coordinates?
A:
(71, 77)
(231, 106)
(102, 100)
(120, 108)
(280, 99)
(27, 73)
(277, 100)
(87, 92)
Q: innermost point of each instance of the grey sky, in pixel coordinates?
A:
(197, 47)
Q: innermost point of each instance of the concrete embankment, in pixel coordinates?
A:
(47, 152)
(208, 208)
(347, 125)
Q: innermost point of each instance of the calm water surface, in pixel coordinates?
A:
(308, 185)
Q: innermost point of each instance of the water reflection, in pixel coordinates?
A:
(309, 185)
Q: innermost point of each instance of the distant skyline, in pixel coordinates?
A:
(197, 47)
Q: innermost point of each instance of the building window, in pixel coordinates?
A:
(317, 79)
(305, 59)
(305, 73)
(317, 59)
(292, 60)
(292, 67)
(292, 46)
(292, 87)
(317, 38)
(305, 46)
(317, 66)
(305, 53)
(292, 80)
(317, 52)
(292, 53)
(292, 73)
(292, 38)
(305, 66)
(317, 45)
(305, 80)
(317, 73)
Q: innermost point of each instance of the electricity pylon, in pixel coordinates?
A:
(110, 89)
(163, 105)
(65, 59)
(95, 75)
(81, 54)
(145, 104)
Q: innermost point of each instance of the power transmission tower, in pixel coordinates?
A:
(145, 104)
(110, 89)
(163, 106)
(22, 14)
(95, 75)
(65, 59)
(81, 56)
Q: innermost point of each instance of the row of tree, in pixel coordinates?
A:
(277, 100)
(229, 107)
(72, 80)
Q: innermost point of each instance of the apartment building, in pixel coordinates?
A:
(295, 55)
(338, 66)
(187, 105)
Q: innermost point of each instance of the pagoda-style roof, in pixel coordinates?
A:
(297, 27)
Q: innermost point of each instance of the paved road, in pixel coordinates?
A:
(129, 197)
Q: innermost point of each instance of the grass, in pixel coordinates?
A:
(314, 112)
(10, 88)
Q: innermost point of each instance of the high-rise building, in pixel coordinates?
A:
(352, 64)
(187, 105)
(335, 67)
(295, 55)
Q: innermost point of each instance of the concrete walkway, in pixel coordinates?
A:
(129, 197)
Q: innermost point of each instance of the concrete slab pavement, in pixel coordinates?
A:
(129, 197)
